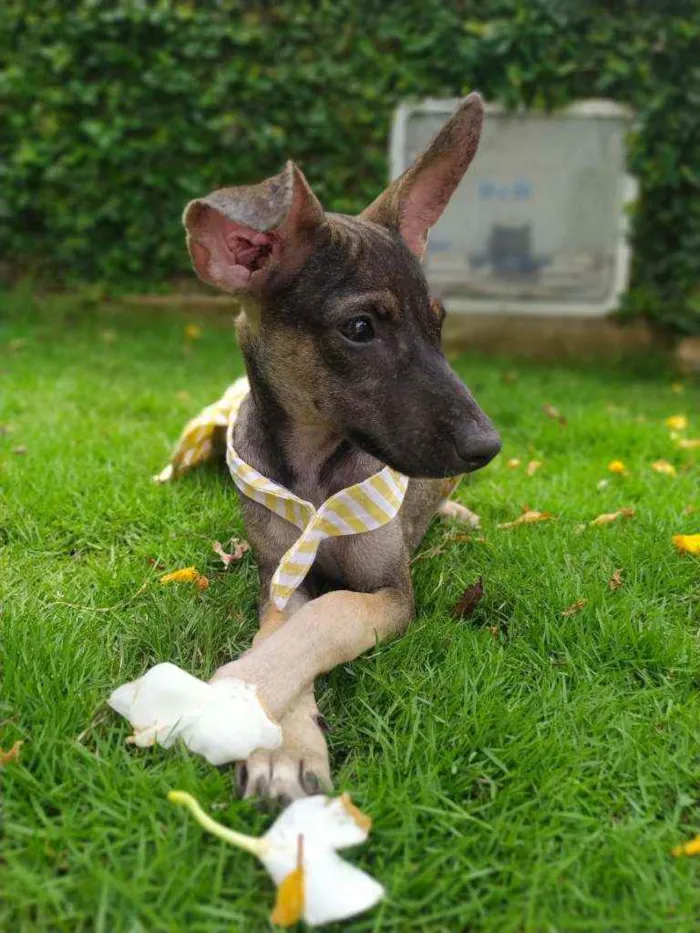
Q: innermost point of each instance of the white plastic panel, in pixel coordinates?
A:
(538, 224)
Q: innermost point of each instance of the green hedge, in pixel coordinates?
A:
(113, 114)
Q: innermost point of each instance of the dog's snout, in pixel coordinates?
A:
(478, 448)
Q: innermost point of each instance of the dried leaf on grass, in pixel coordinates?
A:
(513, 463)
(186, 575)
(689, 443)
(554, 413)
(527, 518)
(239, 549)
(616, 581)
(575, 607)
(533, 466)
(11, 755)
(663, 466)
(21, 450)
(193, 331)
(607, 517)
(469, 600)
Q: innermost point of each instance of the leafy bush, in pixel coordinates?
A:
(113, 113)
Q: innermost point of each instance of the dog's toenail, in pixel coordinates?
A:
(310, 782)
(323, 724)
(241, 776)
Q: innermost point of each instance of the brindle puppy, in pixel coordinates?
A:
(342, 347)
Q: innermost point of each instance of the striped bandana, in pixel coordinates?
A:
(363, 507)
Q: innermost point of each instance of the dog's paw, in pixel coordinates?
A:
(458, 512)
(283, 776)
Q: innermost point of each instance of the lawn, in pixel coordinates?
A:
(526, 770)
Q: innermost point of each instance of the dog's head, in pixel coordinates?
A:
(340, 325)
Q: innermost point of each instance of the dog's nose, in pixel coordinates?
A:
(478, 448)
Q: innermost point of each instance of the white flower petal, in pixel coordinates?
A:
(334, 889)
(330, 821)
(223, 721)
(232, 725)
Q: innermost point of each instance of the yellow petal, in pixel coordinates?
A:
(677, 422)
(513, 463)
(533, 466)
(527, 518)
(663, 466)
(689, 443)
(687, 848)
(616, 466)
(186, 575)
(688, 543)
(289, 906)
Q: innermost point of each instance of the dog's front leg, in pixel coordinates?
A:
(327, 631)
(301, 765)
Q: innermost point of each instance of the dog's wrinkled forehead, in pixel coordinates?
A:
(357, 262)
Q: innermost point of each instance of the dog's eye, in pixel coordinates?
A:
(358, 329)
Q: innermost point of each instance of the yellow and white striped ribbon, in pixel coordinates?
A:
(363, 507)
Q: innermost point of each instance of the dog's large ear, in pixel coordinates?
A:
(414, 202)
(236, 235)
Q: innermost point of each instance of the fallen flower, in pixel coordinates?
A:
(689, 443)
(617, 466)
(575, 607)
(527, 518)
(690, 544)
(239, 549)
(11, 755)
(533, 466)
(469, 600)
(554, 413)
(186, 575)
(299, 852)
(663, 466)
(677, 422)
(513, 463)
(687, 848)
(223, 721)
(615, 581)
(608, 517)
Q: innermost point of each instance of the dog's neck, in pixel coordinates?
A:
(304, 454)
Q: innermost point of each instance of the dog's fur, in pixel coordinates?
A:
(326, 411)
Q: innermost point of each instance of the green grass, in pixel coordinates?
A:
(532, 778)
